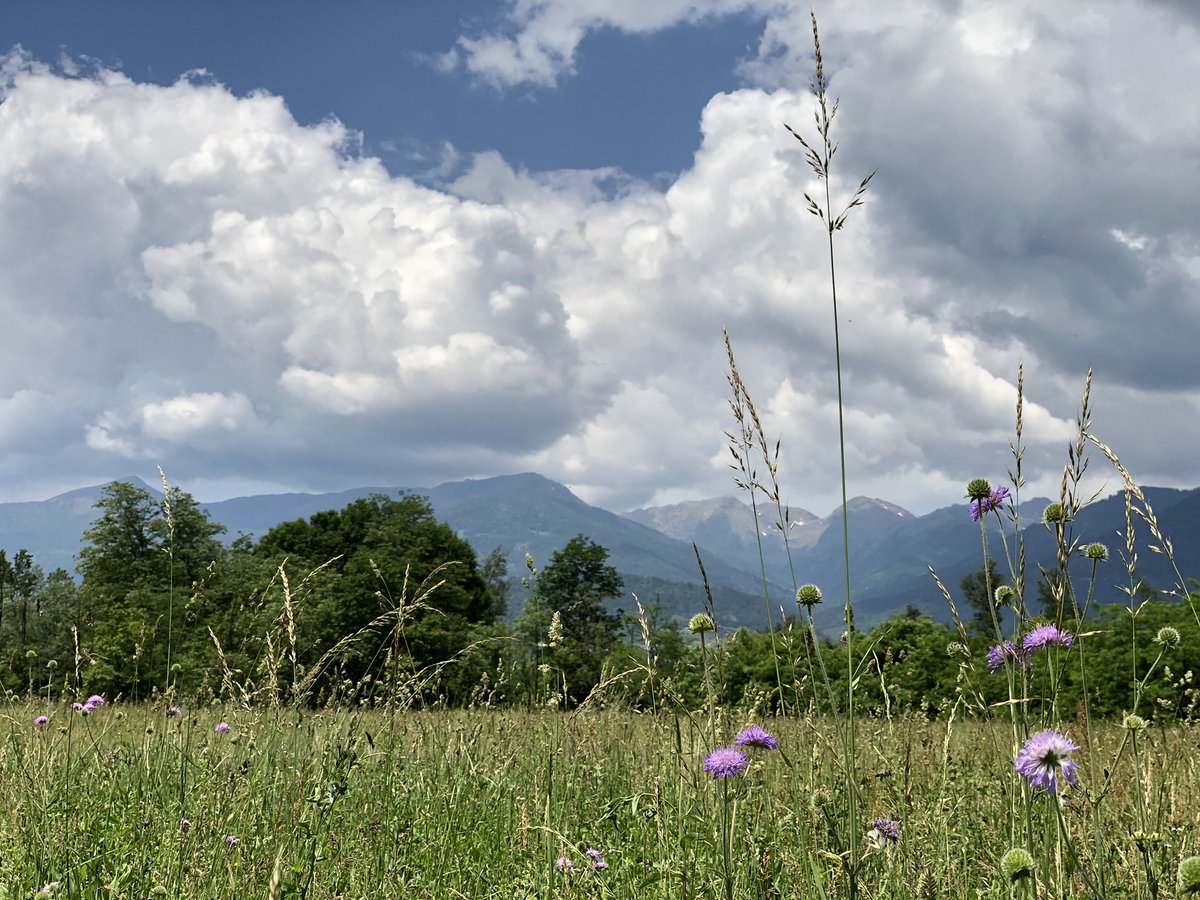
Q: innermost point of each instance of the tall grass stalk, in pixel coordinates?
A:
(820, 160)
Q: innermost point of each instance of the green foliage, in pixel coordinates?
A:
(141, 558)
(379, 555)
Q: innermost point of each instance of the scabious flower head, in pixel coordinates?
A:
(993, 501)
(1017, 864)
(1054, 514)
(1189, 876)
(95, 700)
(725, 762)
(1002, 654)
(978, 489)
(1045, 760)
(883, 833)
(755, 736)
(700, 623)
(889, 829)
(564, 864)
(1168, 636)
(78, 707)
(231, 841)
(172, 712)
(47, 890)
(596, 858)
(808, 595)
(222, 728)
(1003, 594)
(41, 721)
(1046, 635)
(1097, 552)
(1134, 723)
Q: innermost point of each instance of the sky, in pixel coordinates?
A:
(313, 246)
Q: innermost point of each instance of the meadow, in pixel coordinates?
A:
(128, 801)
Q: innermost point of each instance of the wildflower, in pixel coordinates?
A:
(978, 489)
(48, 889)
(1017, 864)
(564, 864)
(95, 700)
(1189, 876)
(993, 501)
(1097, 552)
(725, 762)
(1002, 654)
(1168, 636)
(231, 841)
(883, 832)
(41, 721)
(1047, 635)
(700, 623)
(1134, 723)
(172, 712)
(78, 707)
(1003, 594)
(808, 595)
(1054, 514)
(222, 728)
(597, 860)
(1045, 759)
(756, 737)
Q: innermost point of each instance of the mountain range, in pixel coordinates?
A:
(890, 551)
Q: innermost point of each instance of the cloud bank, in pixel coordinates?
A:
(191, 278)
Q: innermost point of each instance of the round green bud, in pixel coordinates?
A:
(53, 664)
(808, 595)
(1096, 551)
(1134, 723)
(1004, 594)
(1054, 514)
(700, 623)
(979, 489)
(1168, 636)
(1189, 876)
(31, 654)
(1017, 864)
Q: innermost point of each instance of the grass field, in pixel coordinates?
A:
(484, 803)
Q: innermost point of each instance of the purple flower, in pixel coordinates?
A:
(41, 721)
(756, 737)
(597, 860)
(887, 828)
(231, 841)
(1001, 654)
(78, 707)
(172, 712)
(725, 761)
(985, 505)
(1045, 759)
(564, 864)
(1047, 635)
(95, 700)
(222, 728)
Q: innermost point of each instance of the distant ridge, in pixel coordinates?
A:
(891, 549)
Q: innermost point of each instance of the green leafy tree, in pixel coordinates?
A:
(574, 585)
(139, 561)
(979, 599)
(378, 551)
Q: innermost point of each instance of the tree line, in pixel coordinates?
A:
(381, 603)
